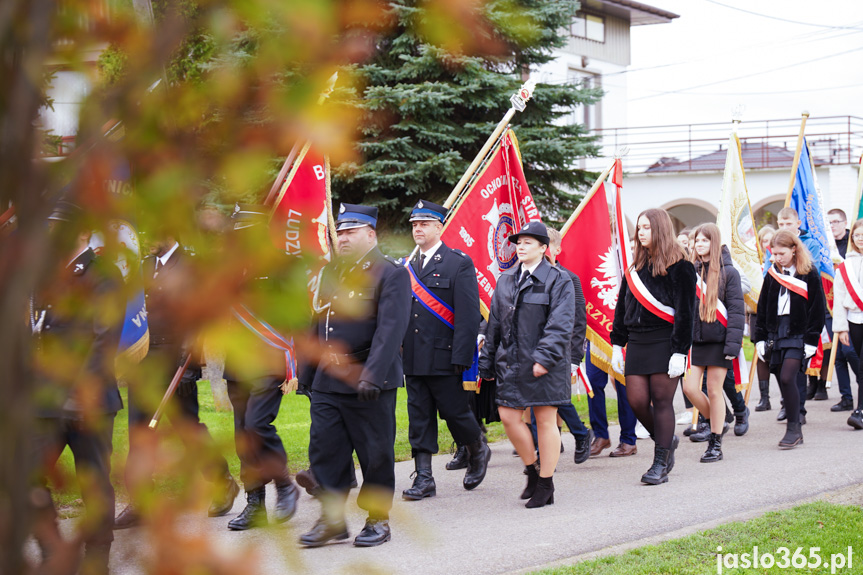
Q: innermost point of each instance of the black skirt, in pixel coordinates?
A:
(710, 355)
(648, 352)
(786, 346)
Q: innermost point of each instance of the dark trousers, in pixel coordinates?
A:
(430, 394)
(262, 455)
(91, 448)
(846, 358)
(596, 406)
(342, 425)
(146, 390)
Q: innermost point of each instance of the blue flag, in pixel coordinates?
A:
(806, 199)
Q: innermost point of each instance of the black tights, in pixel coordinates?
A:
(652, 400)
(762, 369)
(787, 377)
(856, 332)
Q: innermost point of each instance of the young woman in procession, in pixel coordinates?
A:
(789, 322)
(765, 236)
(717, 332)
(848, 308)
(653, 319)
(527, 349)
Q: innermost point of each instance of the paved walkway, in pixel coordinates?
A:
(600, 506)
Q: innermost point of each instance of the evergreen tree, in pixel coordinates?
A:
(429, 111)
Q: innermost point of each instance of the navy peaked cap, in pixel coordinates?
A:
(356, 216)
(534, 229)
(428, 211)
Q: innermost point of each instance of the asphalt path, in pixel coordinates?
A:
(600, 507)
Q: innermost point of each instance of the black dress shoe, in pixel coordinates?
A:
(127, 518)
(375, 532)
(307, 481)
(286, 501)
(478, 454)
(459, 460)
(224, 500)
(781, 416)
(844, 404)
(323, 532)
(582, 447)
(855, 420)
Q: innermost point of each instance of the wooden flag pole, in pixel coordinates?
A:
(599, 181)
(694, 418)
(292, 155)
(753, 374)
(170, 392)
(519, 102)
(832, 361)
(796, 161)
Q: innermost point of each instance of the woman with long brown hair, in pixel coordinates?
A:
(653, 319)
(789, 322)
(717, 332)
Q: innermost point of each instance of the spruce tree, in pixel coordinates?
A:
(429, 111)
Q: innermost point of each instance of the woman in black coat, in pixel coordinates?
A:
(714, 345)
(656, 348)
(527, 350)
(789, 322)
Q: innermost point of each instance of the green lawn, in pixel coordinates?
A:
(293, 424)
(830, 528)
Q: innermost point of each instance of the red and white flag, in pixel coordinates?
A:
(496, 205)
(588, 251)
(298, 223)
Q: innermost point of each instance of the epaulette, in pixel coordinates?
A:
(459, 252)
(393, 261)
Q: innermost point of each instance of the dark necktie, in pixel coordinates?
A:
(784, 290)
(422, 261)
(158, 267)
(524, 276)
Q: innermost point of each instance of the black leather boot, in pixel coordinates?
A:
(459, 460)
(255, 513)
(675, 441)
(820, 390)
(286, 500)
(658, 472)
(478, 455)
(741, 423)
(714, 449)
(793, 436)
(811, 387)
(698, 426)
(702, 434)
(764, 402)
(855, 420)
(532, 472)
(423, 485)
(324, 531)
(543, 494)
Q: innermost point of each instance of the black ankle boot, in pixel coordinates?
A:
(424, 485)
(714, 449)
(698, 426)
(543, 495)
(741, 424)
(793, 436)
(675, 441)
(820, 390)
(459, 460)
(478, 455)
(855, 420)
(255, 513)
(658, 472)
(764, 402)
(287, 495)
(702, 434)
(532, 472)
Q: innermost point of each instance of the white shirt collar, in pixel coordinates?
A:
(791, 270)
(164, 259)
(430, 252)
(78, 255)
(532, 268)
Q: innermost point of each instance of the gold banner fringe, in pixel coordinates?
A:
(603, 363)
(289, 385)
(470, 386)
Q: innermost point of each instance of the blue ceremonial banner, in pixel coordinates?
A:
(806, 199)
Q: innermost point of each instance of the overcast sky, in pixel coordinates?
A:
(714, 57)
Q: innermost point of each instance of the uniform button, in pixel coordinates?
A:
(416, 315)
(48, 306)
(416, 331)
(331, 329)
(332, 313)
(360, 294)
(449, 347)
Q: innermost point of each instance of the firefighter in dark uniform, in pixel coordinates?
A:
(77, 316)
(436, 354)
(363, 307)
(255, 385)
(168, 284)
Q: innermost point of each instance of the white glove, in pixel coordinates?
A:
(573, 368)
(617, 363)
(676, 365)
(809, 350)
(730, 358)
(760, 349)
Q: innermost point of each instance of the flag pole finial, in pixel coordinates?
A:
(737, 116)
(621, 152)
(519, 99)
(805, 113)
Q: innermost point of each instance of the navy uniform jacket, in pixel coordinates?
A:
(84, 309)
(362, 329)
(430, 347)
(164, 293)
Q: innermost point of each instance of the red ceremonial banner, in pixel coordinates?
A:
(496, 205)
(588, 251)
(298, 223)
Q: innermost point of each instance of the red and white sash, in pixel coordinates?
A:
(851, 284)
(798, 286)
(741, 371)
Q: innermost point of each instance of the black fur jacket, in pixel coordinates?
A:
(807, 314)
(676, 289)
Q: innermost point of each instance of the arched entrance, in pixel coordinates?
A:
(764, 212)
(690, 212)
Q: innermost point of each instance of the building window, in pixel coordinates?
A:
(588, 26)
